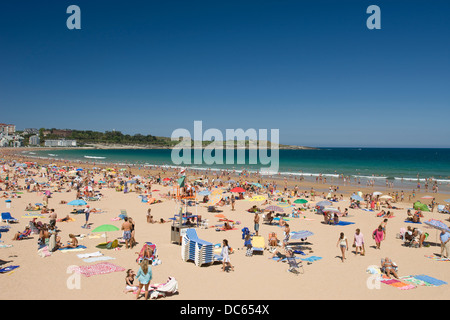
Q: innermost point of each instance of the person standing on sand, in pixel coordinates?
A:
(383, 226)
(87, 212)
(144, 276)
(126, 227)
(377, 235)
(445, 238)
(225, 255)
(343, 244)
(287, 234)
(256, 221)
(358, 243)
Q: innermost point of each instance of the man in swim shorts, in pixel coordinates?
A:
(126, 227)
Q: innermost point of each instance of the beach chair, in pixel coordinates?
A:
(294, 265)
(123, 214)
(166, 289)
(258, 244)
(6, 217)
(24, 235)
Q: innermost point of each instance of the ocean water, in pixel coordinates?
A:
(378, 164)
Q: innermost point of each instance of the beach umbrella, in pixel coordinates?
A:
(274, 208)
(166, 179)
(231, 181)
(385, 197)
(427, 197)
(258, 185)
(204, 193)
(377, 193)
(131, 181)
(447, 200)
(77, 202)
(301, 234)
(106, 228)
(301, 201)
(331, 209)
(257, 198)
(420, 206)
(357, 198)
(323, 203)
(437, 224)
(237, 189)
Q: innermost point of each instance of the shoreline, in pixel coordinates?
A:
(302, 181)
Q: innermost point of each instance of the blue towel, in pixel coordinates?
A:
(430, 280)
(8, 269)
(408, 221)
(344, 223)
(311, 259)
(79, 247)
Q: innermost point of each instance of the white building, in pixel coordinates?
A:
(60, 143)
(7, 140)
(34, 140)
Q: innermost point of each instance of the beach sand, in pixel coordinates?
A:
(254, 278)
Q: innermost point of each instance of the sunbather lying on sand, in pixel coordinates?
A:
(288, 253)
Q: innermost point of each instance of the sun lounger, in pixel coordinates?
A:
(258, 244)
(193, 248)
(6, 217)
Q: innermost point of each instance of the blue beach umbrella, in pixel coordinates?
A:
(357, 198)
(447, 200)
(204, 193)
(437, 224)
(301, 234)
(323, 203)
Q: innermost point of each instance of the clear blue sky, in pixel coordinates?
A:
(309, 68)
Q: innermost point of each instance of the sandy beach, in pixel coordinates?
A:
(257, 277)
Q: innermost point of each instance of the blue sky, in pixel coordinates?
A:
(311, 69)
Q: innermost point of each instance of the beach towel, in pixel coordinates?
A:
(430, 280)
(344, 223)
(44, 252)
(33, 215)
(409, 221)
(95, 259)
(99, 268)
(414, 281)
(311, 259)
(436, 258)
(223, 229)
(398, 284)
(89, 255)
(6, 245)
(8, 269)
(79, 248)
(368, 210)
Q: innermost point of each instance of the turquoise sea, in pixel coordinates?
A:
(399, 165)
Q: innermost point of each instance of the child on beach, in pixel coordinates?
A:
(225, 255)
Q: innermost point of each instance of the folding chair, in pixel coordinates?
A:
(294, 265)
